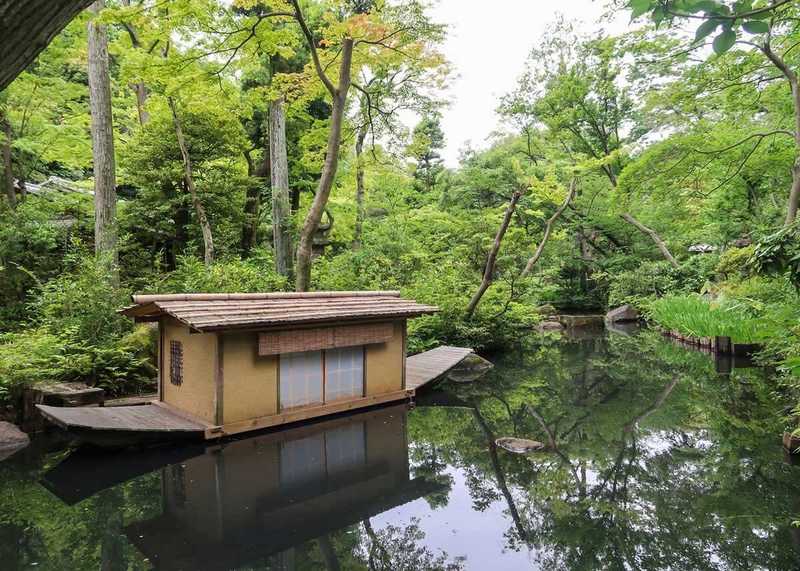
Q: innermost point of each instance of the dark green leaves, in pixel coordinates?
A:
(705, 29)
(724, 41)
(755, 27)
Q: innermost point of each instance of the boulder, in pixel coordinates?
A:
(519, 445)
(550, 326)
(622, 314)
(12, 440)
(472, 368)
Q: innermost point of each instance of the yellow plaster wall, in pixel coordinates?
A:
(385, 362)
(197, 393)
(250, 382)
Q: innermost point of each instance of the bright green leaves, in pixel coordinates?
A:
(724, 41)
(639, 7)
(731, 18)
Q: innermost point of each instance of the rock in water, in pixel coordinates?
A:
(472, 368)
(622, 314)
(12, 440)
(519, 445)
(550, 326)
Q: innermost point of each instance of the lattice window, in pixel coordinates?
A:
(176, 363)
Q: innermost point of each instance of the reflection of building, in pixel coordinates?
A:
(258, 496)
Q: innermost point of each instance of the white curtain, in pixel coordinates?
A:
(344, 373)
(301, 379)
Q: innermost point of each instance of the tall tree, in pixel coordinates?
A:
(338, 92)
(491, 259)
(427, 142)
(105, 186)
(199, 209)
(574, 87)
(8, 171)
(279, 172)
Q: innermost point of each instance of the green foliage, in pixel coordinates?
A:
(732, 18)
(779, 253)
(734, 262)
(650, 280)
(76, 334)
(693, 315)
(255, 274)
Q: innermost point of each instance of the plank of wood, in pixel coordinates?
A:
(137, 400)
(304, 413)
(146, 418)
(430, 365)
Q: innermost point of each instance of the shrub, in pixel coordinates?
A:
(642, 284)
(734, 263)
(695, 316)
(255, 274)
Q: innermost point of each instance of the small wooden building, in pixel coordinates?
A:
(241, 362)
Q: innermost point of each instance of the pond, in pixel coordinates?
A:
(654, 460)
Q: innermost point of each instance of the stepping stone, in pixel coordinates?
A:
(12, 440)
(519, 445)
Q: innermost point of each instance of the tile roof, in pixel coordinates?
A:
(214, 312)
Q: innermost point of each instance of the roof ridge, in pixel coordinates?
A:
(154, 298)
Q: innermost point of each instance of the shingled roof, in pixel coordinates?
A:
(215, 312)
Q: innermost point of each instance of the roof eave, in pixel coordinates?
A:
(263, 326)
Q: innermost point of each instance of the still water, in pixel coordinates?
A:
(655, 460)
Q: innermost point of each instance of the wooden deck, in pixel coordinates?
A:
(147, 418)
(426, 367)
(157, 420)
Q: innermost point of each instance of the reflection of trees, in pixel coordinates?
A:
(644, 470)
(398, 548)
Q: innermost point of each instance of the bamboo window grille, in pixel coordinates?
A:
(176, 363)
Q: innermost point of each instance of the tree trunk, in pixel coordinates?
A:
(281, 205)
(200, 211)
(548, 229)
(794, 85)
(653, 236)
(8, 170)
(362, 134)
(491, 260)
(105, 194)
(304, 248)
(140, 89)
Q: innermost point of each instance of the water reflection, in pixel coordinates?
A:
(257, 499)
(654, 461)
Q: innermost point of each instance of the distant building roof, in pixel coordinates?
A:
(215, 312)
(702, 248)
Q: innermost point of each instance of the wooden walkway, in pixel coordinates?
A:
(142, 418)
(426, 367)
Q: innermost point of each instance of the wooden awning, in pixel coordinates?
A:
(218, 312)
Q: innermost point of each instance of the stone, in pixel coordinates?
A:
(622, 314)
(519, 445)
(12, 440)
(472, 368)
(546, 309)
(550, 326)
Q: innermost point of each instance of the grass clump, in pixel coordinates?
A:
(694, 315)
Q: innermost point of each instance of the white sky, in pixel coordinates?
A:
(487, 45)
